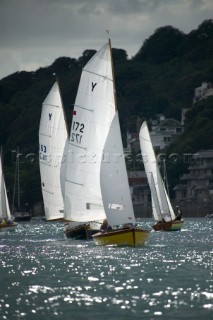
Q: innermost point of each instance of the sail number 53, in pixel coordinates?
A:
(77, 132)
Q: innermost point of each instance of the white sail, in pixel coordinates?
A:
(52, 140)
(92, 117)
(151, 166)
(4, 205)
(64, 168)
(156, 211)
(114, 181)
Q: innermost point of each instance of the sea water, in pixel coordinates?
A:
(45, 276)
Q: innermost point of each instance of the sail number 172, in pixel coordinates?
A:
(77, 131)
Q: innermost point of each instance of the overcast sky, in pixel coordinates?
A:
(33, 33)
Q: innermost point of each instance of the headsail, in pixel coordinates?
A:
(114, 180)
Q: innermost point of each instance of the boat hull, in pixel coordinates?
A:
(22, 216)
(132, 237)
(9, 227)
(174, 225)
(54, 220)
(81, 232)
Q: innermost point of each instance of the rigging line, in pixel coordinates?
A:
(98, 222)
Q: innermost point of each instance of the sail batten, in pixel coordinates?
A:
(97, 74)
(45, 135)
(84, 108)
(52, 105)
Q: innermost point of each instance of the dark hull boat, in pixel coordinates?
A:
(168, 226)
(79, 232)
(22, 216)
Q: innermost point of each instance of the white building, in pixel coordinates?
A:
(203, 92)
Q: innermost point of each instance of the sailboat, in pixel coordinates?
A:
(21, 213)
(5, 216)
(52, 148)
(83, 197)
(96, 186)
(162, 211)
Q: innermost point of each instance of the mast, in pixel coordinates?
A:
(18, 178)
(113, 74)
(2, 202)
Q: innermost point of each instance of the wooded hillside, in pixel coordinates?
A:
(160, 78)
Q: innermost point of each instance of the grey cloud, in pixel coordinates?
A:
(33, 33)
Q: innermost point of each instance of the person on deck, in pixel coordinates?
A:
(3, 223)
(179, 213)
(105, 226)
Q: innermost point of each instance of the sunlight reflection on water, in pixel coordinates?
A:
(45, 276)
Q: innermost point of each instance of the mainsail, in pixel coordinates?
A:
(152, 172)
(92, 117)
(52, 142)
(4, 205)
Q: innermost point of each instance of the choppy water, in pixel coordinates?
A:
(45, 276)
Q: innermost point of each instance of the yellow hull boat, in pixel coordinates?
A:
(9, 227)
(132, 237)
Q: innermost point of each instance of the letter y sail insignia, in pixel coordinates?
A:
(93, 86)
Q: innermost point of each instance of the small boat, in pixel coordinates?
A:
(129, 236)
(162, 211)
(21, 214)
(6, 224)
(209, 215)
(52, 147)
(78, 231)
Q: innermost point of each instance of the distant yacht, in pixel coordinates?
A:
(20, 213)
